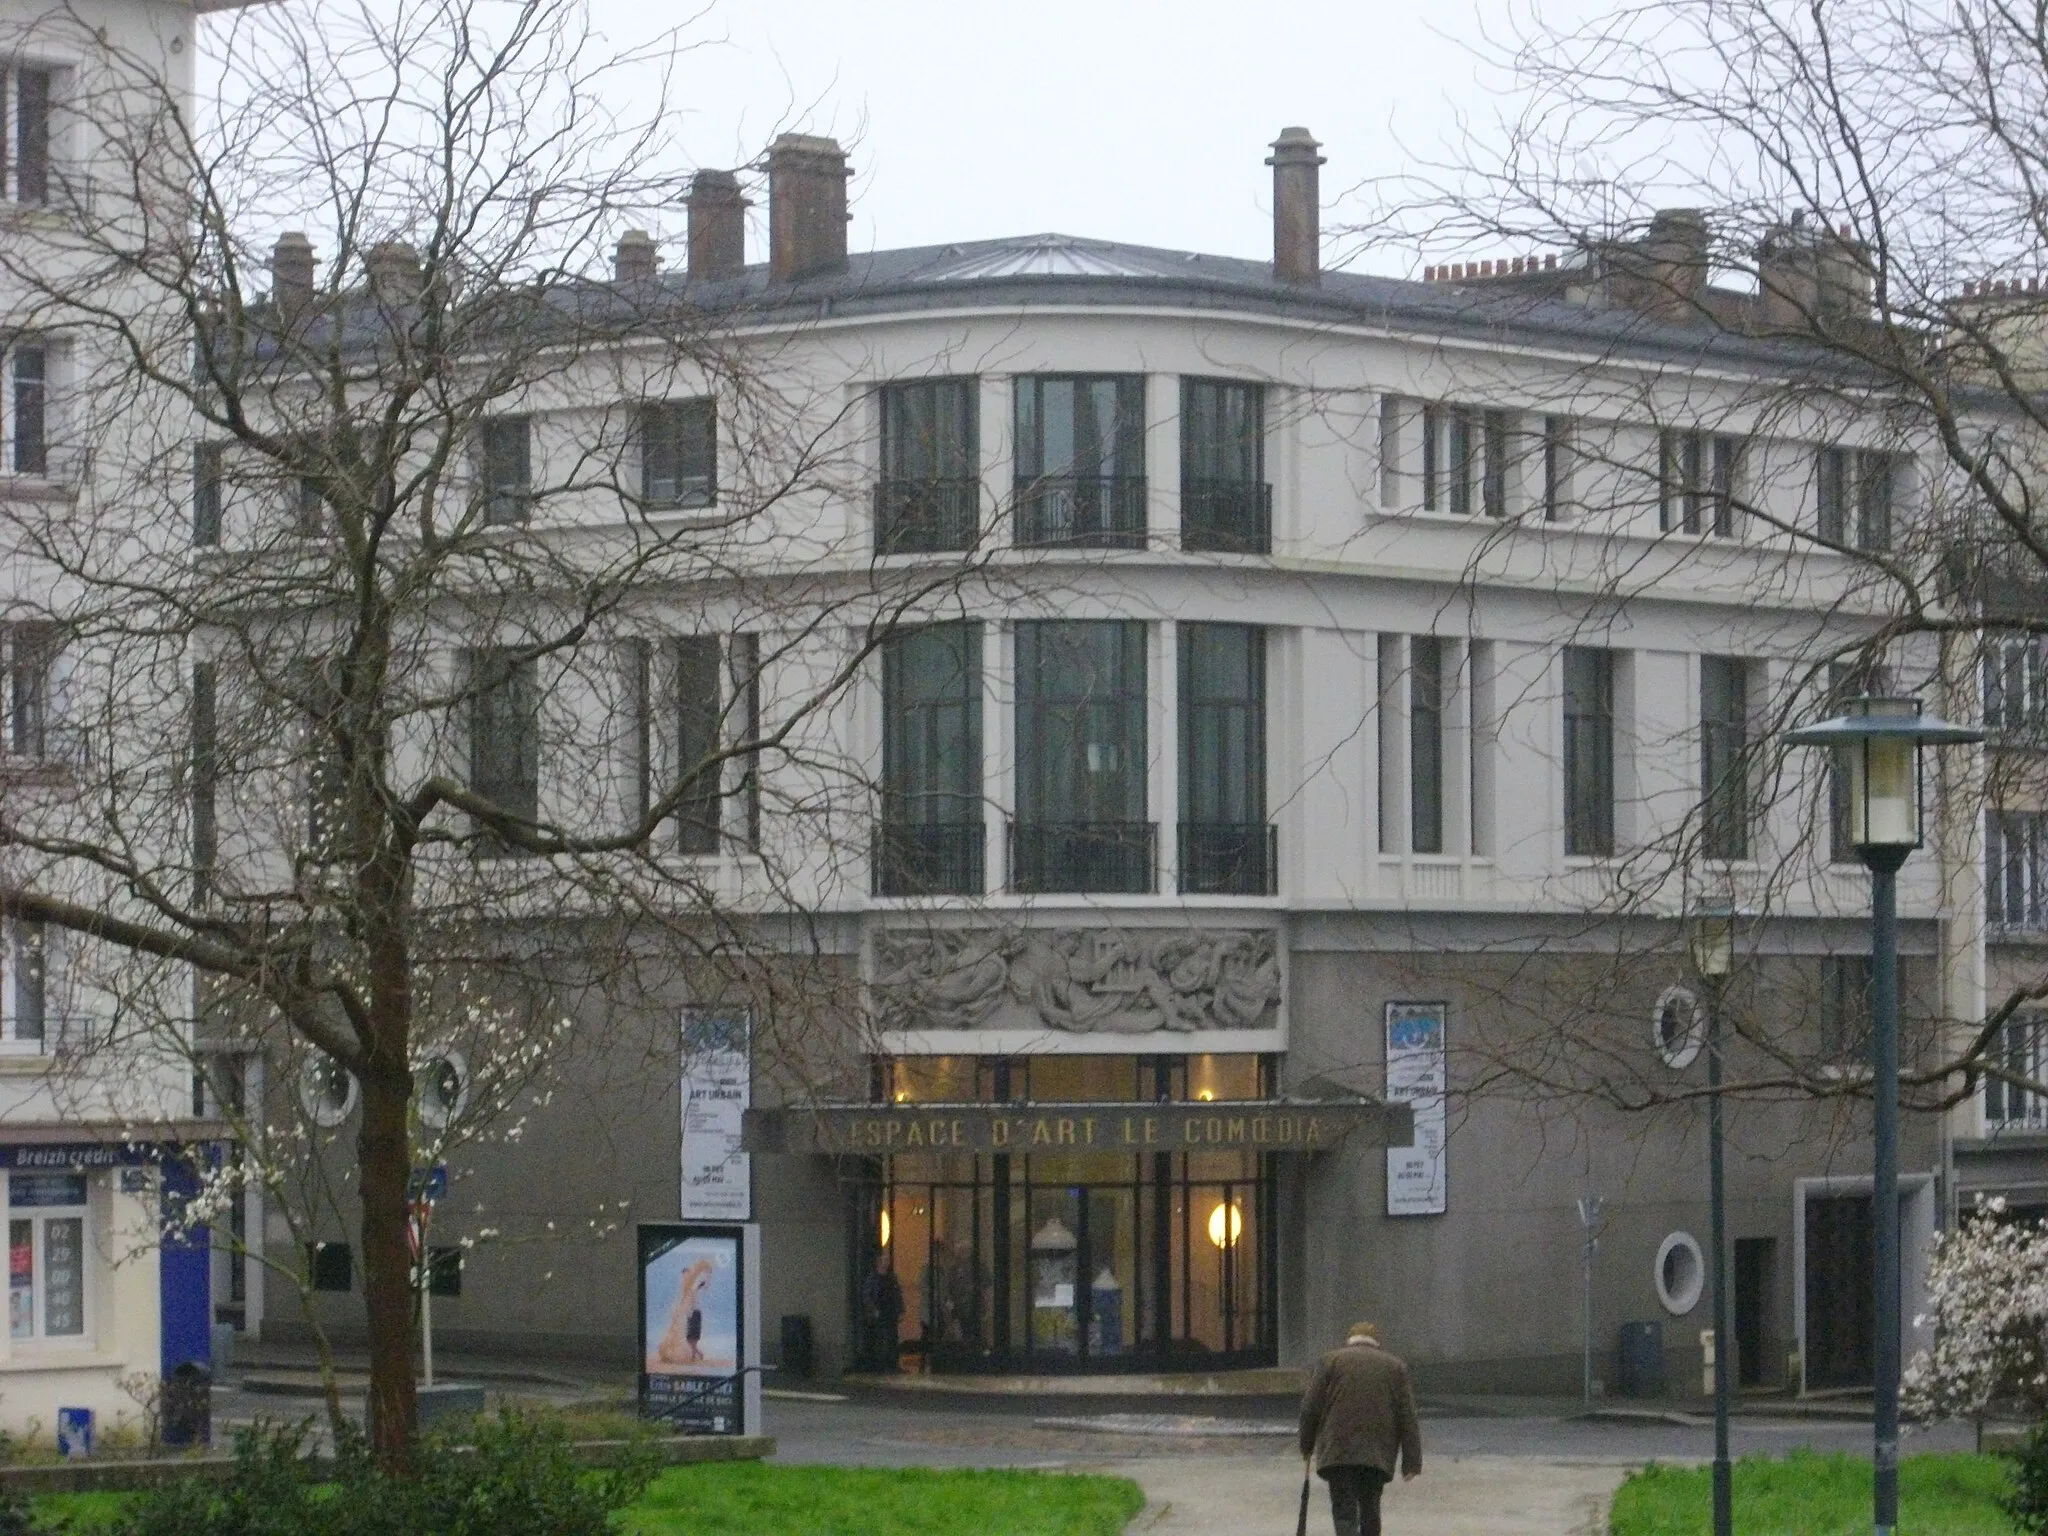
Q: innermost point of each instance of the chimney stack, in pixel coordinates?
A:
(636, 260)
(806, 206)
(1297, 207)
(718, 226)
(394, 269)
(291, 273)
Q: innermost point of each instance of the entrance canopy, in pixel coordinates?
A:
(1258, 1125)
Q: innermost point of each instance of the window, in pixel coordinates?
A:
(639, 687)
(678, 454)
(1698, 483)
(1081, 460)
(29, 652)
(1557, 466)
(1081, 759)
(2016, 688)
(46, 1255)
(25, 972)
(205, 778)
(1844, 1007)
(931, 839)
(2021, 1048)
(1226, 846)
(505, 465)
(2016, 869)
(1588, 752)
(208, 468)
(700, 710)
(504, 742)
(1425, 744)
(746, 698)
(1225, 502)
(327, 773)
(1392, 408)
(1449, 439)
(27, 169)
(1855, 482)
(327, 1090)
(930, 495)
(309, 508)
(27, 425)
(1725, 810)
(1494, 472)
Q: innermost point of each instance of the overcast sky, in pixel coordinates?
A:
(1139, 120)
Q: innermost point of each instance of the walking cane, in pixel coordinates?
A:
(1301, 1520)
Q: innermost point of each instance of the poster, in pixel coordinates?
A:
(692, 1328)
(1417, 1075)
(717, 1087)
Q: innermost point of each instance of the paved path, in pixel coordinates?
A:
(1455, 1496)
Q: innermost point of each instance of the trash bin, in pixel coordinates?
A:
(1641, 1372)
(799, 1346)
(188, 1405)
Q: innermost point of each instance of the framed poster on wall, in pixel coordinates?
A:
(1417, 1075)
(717, 1076)
(697, 1335)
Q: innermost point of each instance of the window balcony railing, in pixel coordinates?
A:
(1229, 858)
(916, 517)
(43, 747)
(1231, 516)
(1103, 857)
(1088, 511)
(929, 859)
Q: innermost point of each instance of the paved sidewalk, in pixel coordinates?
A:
(1455, 1496)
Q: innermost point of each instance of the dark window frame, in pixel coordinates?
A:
(929, 496)
(28, 407)
(678, 445)
(504, 465)
(1588, 752)
(1427, 700)
(209, 493)
(504, 709)
(1727, 809)
(697, 684)
(932, 837)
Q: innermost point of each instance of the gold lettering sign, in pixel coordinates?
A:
(874, 1130)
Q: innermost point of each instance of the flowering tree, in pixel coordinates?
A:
(1987, 1292)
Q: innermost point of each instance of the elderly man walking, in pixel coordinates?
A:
(1358, 1412)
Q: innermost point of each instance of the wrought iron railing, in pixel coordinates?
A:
(1229, 858)
(1105, 857)
(930, 859)
(1231, 516)
(926, 516)
(1091, 511)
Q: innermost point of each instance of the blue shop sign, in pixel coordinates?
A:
(100, 1154)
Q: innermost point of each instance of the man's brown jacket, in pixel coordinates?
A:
(1359, 1410)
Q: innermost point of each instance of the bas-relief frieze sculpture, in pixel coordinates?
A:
(1080, 981)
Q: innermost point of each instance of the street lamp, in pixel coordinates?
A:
(1879, 742)
(1713, 956)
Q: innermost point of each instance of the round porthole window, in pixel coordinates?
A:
(327, 1090)
(1681, 1273)
(443, 1088)
(1678, 1028)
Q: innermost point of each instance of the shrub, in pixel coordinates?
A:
(512, 1476)
(2027, 1504)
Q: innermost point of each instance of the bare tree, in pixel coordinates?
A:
(1810, 237)
(372, 522)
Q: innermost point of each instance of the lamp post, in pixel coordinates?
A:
(1713, 956)
(1878, 741)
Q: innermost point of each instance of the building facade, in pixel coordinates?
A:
(1325, 690)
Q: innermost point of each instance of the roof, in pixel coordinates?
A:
(1056, 269)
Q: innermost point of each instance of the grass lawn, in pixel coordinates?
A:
(1813, 1495)
(746, 1498)
(750, 1499)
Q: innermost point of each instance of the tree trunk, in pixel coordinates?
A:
(385, 1160)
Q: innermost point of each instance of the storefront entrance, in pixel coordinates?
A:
(1070, 1260)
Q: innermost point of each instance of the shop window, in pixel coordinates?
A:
(46, 1256)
